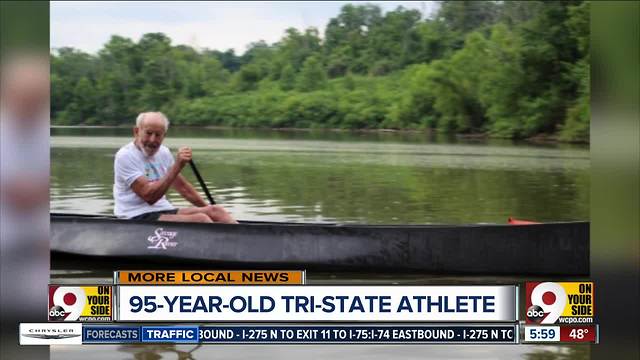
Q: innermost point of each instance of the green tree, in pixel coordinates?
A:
(513, 13)
(228, 59)
(455, 83)
(347, 34)
(246, 78)
(157, 73)
(288, 78)
(312, 76)
(509, 69)
(85, 97)
(434, 42)
(576, 126)
(296, 47)
(154, 44)
(502, 83)
(463, 17)
(215, 78)
(393, 40)
(546, 53)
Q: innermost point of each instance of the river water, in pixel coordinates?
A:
(325, 176)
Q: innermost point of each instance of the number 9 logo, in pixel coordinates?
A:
(549, 297)
(71, 299)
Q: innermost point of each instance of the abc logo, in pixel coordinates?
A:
(547, 302)
(535, 314)
(56, 313)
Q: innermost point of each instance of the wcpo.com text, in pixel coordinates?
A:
(575, 320)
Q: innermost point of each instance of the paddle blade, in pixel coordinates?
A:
(514, 221)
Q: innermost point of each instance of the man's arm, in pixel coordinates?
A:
(188, 191)
(152, 191)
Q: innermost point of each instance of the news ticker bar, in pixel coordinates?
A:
(466, 333)
(480, 333)
(31, 334)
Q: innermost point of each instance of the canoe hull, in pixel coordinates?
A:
(544, 249)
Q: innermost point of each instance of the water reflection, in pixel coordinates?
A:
(346, 181)
(323, 176)
(154, 352)
(275, 134)
(289, 352)
(576, 352)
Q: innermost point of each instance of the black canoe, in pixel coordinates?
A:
(538, 249)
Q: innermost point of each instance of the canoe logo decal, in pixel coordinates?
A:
(162, 239)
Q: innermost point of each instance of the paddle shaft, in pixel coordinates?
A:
(201, 181)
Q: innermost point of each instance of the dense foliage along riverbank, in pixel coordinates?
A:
(512, 69)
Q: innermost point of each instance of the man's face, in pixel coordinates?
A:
(150, 134)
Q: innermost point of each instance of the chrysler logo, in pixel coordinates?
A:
(49, 334)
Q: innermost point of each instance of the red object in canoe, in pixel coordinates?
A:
(514, 221)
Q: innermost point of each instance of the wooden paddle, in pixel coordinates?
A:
(201, 181)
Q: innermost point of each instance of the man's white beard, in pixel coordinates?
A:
(144, 149)
(146, 152)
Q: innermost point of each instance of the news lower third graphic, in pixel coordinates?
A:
(277, 307)
(169, 277)
(296, 303)
(80, 303)
(560, 303)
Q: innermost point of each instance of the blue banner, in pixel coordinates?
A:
(170, 334)
(305, 334)
(103, 334)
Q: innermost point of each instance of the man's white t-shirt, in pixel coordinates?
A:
(130, 164)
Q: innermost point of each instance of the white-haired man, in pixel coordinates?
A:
(145, 170)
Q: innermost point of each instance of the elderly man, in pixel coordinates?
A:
(144, 171)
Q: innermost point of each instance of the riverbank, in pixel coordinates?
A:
(541, 139)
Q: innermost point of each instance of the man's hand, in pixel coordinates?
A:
(152, 191)
(184, 156)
